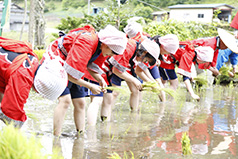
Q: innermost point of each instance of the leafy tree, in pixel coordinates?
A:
(49, 7)
(100, 20)
(69, 23)
(142, 11)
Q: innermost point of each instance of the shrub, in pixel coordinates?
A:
(184, 31)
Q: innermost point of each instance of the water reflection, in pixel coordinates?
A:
(153, 132)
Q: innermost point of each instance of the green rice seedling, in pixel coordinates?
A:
(15, 145)
(154, 87)
(217, 80)
(224, 70)
(186, 147)
(117, 89)
(200, 81)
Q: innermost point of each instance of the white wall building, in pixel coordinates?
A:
(200, 12)
(16, 17)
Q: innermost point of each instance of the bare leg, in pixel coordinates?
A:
(190, 89)
(79, 113)
(163, 81)
(115, 94)
(107, 106)
(59, 113)
(92, 112)
(134, 97)
(162, 93)
(174, 84)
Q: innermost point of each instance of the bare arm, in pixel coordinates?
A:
(214, 70)
(127, 77)
(98, 77)
(93, 87)
(190, 89)
(145, 75)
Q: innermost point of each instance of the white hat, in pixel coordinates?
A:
(152, 47)
(132, 29)
(205, 53)
(51, 79)
(170, 43)
(113, 38)
(228, 39)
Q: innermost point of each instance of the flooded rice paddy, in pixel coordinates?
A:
(154, 132)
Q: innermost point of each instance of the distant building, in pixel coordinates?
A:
(16, 17)
(160, 15)
(200, 12)
(97, 10)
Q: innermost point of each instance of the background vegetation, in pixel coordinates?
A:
(69, 14)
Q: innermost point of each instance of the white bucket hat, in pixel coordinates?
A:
(205, 53)
(51, 79)
(132, 29)
(170, 43)
(228, 39)
(152, 48)
(113, 38)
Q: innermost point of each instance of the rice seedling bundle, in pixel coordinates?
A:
(154, 87)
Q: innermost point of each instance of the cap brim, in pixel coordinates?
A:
(228, 39)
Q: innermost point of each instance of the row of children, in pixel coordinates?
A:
(84, 63)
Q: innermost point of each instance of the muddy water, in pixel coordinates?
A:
(153, 133)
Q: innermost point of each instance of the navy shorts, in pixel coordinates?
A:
(74, 90)
(116, 80)
(155, 72)
(185, 78)
(167, 74)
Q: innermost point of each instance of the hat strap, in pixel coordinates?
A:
(195, 57)
(218, 43)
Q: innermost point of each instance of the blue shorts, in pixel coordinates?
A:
(155, 72)
(116, 80)
(167, 74)
(74, 90)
